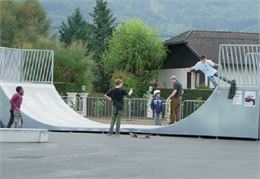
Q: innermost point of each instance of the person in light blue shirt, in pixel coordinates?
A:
(207, 67)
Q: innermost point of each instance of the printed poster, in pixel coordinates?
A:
(237, 100)
(250, 98)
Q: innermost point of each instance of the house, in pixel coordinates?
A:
(184, 51)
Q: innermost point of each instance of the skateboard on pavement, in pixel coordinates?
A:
(140, 136)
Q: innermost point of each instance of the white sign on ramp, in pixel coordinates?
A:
(250, 98)
(237, 100)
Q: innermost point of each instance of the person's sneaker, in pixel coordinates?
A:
(109, 134)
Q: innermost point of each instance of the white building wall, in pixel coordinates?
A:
(165, 74)
(240, 75)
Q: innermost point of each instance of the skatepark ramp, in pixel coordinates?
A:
(217, 117)
(23, 135)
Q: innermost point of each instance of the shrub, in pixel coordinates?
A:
(98, 109)
(190, 94)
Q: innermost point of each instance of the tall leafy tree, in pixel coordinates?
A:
(7, 22)
(102, 28)
(22, 22)
(137, 50)
(72, 68)
(75, 29)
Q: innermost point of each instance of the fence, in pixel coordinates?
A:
(241, 62)
(136, 110)
(189, 106)
(24, 65)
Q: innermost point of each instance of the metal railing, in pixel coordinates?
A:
(26, 65)
(190, 106)
(136, 110)
(98, 108)
(240, 62)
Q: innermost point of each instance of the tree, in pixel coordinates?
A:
(75, 29)
(7, 22)
(129, 80)
(102, 27)
(135, 49)
(72, 67)
(21, 22)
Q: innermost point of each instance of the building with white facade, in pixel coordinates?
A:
(184, 51)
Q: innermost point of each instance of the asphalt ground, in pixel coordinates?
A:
(84, 155)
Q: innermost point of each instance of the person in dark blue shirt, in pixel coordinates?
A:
(157, 105)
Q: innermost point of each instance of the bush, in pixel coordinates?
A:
(99, 107)
(73, 67)
(190, 94)
(128, 79)
(63, 88)
(189, 108)
(137, 57)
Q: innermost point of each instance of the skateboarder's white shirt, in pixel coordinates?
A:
(206, 68)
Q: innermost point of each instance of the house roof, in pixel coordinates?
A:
(207, 42)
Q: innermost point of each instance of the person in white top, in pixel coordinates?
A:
(207, 67)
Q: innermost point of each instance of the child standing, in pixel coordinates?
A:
(157, 107)
(116, 96)
(16, 102)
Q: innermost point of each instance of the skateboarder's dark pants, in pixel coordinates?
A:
(116, 118)
(11, 121)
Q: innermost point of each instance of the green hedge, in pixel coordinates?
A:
(190, 94)
(63, 88)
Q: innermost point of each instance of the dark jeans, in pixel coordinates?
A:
(1, 124)
(11, 121)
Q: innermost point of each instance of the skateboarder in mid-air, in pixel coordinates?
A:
(116, 96)
(207, 67)
(16, 102)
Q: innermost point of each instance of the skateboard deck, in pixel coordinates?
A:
(167, 109)
(17, 119)
(140, 136)
(232, 90)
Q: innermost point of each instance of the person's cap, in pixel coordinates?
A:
(173, 77)
(156, 92)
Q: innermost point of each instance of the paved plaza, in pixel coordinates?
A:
(84, 155)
